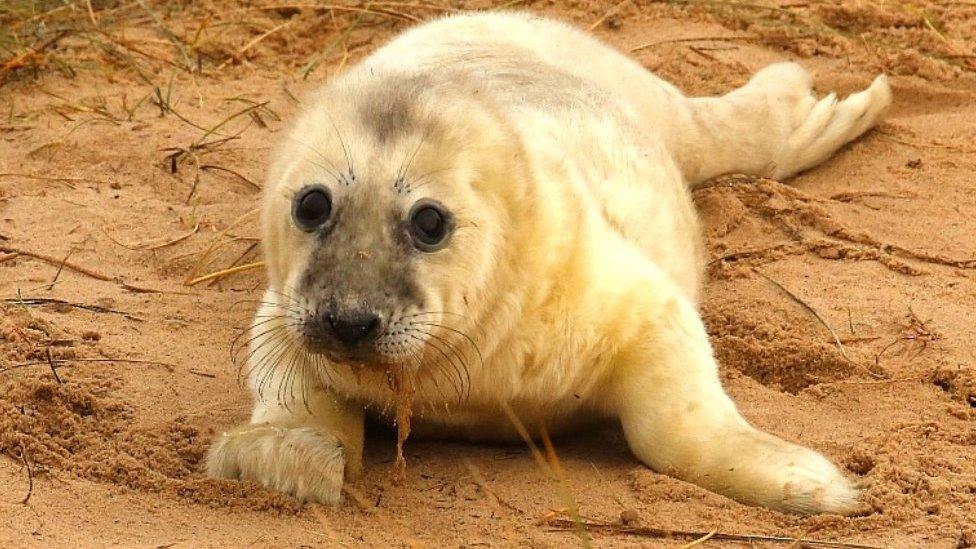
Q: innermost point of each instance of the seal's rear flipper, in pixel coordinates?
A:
(773, 126)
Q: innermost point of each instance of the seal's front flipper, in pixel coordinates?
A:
(303, 462)
(679, 421)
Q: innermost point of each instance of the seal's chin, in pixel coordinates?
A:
(356, 357)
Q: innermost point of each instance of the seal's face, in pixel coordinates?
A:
(362, 282)
(378, 241)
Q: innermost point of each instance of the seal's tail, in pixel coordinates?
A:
(774, 126)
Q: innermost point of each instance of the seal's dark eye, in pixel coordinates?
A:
(311, 208)
(430, 225)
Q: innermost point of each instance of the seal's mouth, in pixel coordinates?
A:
(366, 356)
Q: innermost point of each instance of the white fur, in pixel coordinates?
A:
(579, 272)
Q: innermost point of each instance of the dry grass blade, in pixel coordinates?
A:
(806, 306)
(369, 9)
(549, 463)
(214, 245)
(663, 533)
(154, 244)
(24, 58)
(225, 273)
(170, 35)
(66, 180)
(247, 251)
(214, 167)
(252, 43)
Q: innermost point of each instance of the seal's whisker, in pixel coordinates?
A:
(290, 299)
(306, 359)
(468, 338)
(322, 365)
(333, 171)
(462, 360)
(447, 357)
(236, 347)
(464, 336)
(259, 324)
(253, 368)
(269, 363)
(438, 365)
(423, 180)
(281, 380)
(431, 313)
(406, 163)
(424, 367)
(258, 370)
(252, 350)
(288, 382)
(342, 143)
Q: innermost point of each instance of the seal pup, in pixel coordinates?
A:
(496, 208)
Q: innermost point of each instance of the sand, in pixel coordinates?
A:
(841, 303)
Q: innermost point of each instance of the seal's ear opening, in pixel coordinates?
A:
(431, 225)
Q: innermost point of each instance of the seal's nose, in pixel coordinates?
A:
(354, 328)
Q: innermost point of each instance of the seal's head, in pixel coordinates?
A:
(383, 217)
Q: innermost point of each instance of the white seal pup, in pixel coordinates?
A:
(497, 207)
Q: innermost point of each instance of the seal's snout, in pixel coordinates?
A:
(353, 328)
(344, 333)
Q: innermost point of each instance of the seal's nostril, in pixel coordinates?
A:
(354, 327)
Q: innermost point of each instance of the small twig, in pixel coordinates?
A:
(809, 309)
(367, 9)
(700, 39)
(50, 361)
(854, 195)
(62, 362)
(700, 540)
(479, 479)
(202, 373)
(549, 464)
(870, 381)
(78, 269)
(60, 268)
(59, 262)
(141, 290)
(30, 474)
(609, 13)
(643, 531)
(37, 301)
